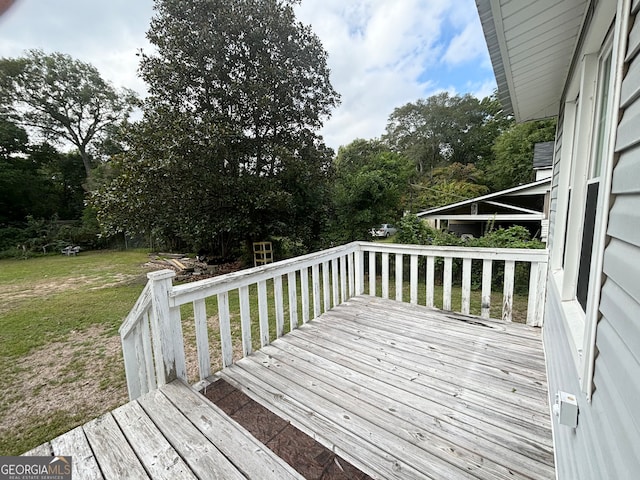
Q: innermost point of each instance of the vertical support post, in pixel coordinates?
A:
(245, 320)
(351, 274)
(277, 296)
(359, 271)
(164, 343)
(399, 279)
(446, 284)
(225, 329)
(343, 279)
(385, 275)
(486, 288)
(413, 280)
(293, 300)
(466, 285)
(326, 291)
(304, 287)
(334, 282)
(315, 284)
(431, 262)
(202, 338)
(507, 299)
(263, 313)
(372, 273)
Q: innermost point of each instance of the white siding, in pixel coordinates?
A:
(606, 443)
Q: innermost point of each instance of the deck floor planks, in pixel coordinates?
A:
(406, 427)
(401, 391)
(155, 452)
(423, 366)
(84, 464)
(204, 459)
(413, 396)
(339, 369)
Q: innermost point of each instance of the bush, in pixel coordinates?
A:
(414, 231)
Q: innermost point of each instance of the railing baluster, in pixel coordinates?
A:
(293, 300)
(385, 275)
(343, 279)
(245, 320)
(358, 259)
(399, 268)
(178, 343)
(466, 286)
(507, 300)
(147, 352)
(326, 290)
(134, 363)
(315, 282)
(335, 282)
(224, 319)
(446, 284)
(304, 286)
(486, 288)
(430, 280)
(372, 273)
(351, 274)
(202, 338)
(277, 293)
(263, 313)
(413, 281)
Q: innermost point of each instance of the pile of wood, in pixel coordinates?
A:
(189, 269)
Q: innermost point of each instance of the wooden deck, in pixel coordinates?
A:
(400, 391)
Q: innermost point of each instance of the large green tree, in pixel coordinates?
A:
(444, 129)
(369, 187)
(512, 164)
(228, 147)
(62, 98)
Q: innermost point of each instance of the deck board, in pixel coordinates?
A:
(436, 391)
(400, 391)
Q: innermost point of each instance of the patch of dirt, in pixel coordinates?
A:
(83, 374)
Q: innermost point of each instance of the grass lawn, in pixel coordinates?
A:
(60, 353)
(60, 357)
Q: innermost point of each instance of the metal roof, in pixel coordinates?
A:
(533, 188)
(531, 44)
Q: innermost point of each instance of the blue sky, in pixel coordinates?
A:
(382, 53)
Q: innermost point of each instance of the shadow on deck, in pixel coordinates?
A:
(396, 390)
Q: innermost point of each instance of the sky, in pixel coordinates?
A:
(383, 54)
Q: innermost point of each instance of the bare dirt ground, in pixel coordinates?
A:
(69, 382)
(54, 382)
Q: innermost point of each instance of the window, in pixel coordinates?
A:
(599, 152)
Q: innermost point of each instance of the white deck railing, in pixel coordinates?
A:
(152, 339)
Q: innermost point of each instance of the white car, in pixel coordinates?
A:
(384, 230)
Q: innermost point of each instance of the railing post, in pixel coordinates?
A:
(168, 350)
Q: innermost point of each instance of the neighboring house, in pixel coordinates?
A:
(579, 60)
(526, 205)
(522, 205)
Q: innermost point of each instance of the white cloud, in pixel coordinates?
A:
(382, 53)
(379, 51)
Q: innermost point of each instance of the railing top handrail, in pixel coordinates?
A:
(481, 253)
(181, 294)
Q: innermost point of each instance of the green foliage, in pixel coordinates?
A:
(449, 184)
(513, 153)
(445, 129)
(412, 230)
(62, 98)
(227, 151)
(369, 185)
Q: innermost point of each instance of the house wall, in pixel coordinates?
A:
(606, 443)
